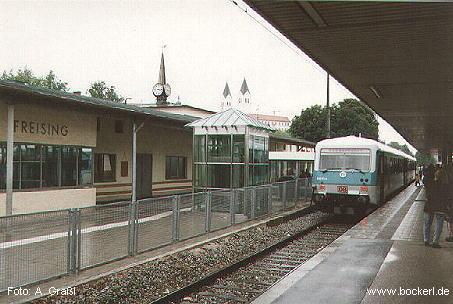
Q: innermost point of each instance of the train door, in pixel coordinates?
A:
(144, 175)
(381, 178)
(404, 172)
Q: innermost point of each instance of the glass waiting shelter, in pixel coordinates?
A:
(231, 150)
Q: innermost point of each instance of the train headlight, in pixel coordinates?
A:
(362, 199)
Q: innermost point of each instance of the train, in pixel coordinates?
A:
(358, 172)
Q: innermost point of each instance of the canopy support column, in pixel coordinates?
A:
(135, 130)
(9, 160)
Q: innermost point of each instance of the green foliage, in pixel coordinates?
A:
(25, 75)
(310, 124)
(282, 133)
(348, 117)
(424, 158)
(400, 147)
(99, 89)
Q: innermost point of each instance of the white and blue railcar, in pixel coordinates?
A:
(358, 172)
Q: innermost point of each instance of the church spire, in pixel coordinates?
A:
(162, 89)
(226, 91)
(244, 87)
(162, 79)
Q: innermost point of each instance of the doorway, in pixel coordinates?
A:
(381, 178)
(144, 175)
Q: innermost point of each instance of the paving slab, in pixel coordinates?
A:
(411, 269)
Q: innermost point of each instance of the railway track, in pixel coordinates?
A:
(252, 276)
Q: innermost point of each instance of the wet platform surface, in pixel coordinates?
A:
(380, 260)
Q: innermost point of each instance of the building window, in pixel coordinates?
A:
(219, 148)
(259, 161)
(238, 148)
(199, 175)
(199, 150)
(119, 127)
(85, 163)
(51, 166)
(175, 167)
(238, 176)
(104, 168)
(46, 166)
(68, 166)
(219, 176)
(30, 166)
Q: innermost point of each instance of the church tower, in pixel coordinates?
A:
(244, 98)
(161, 89)
(227, 98)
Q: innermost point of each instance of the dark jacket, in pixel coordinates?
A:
(428, 174)
(437, 195)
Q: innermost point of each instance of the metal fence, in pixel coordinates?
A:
(40, 246)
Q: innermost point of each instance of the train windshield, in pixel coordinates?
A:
(345, 159)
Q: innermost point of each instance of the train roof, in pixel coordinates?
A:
(360, 142)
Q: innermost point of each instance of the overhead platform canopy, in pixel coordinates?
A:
(396, 57)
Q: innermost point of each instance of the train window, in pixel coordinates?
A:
(339, 159)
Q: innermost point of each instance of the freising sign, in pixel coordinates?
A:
(40, 128)
(39, 124)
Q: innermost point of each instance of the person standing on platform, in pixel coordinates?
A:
(449, 205)
(420, 173)
(428, 174)
(417, 179)
(435, 205)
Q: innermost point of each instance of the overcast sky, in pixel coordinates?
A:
(208, 43)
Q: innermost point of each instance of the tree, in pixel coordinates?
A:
(25, 75)
(348, 117)
(400, 147)
(310, 124)
(283, 133)
(99, 89)
(424, 158)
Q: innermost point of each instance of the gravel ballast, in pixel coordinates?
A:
(148, 281)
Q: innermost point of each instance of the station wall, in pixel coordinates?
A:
(158, 140)
(163, 142)
(27, 202)
(47, 125)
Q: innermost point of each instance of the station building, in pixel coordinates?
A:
(182, 109)
(290, 157)
(74, 151)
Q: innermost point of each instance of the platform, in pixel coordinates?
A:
(380, 260)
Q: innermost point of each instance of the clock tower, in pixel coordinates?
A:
(161, 89)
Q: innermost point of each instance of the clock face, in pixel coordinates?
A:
(167, 89)
(158, 89)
